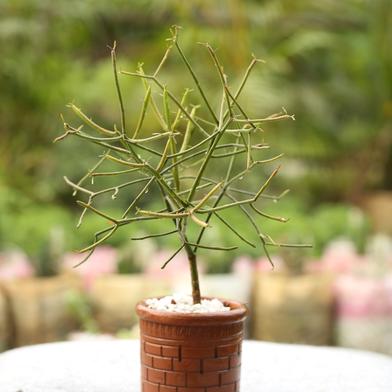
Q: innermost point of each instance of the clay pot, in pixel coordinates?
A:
(182, 352)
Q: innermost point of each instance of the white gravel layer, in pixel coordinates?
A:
(183, 303)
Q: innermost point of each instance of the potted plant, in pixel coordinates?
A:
(197, 164)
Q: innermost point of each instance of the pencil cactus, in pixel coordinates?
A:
(192, 136)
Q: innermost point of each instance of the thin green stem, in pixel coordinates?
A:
(154, 235)
(143, 112)
(225, 248)
(196, 80)
(117, 83)
(171, 96)
(231, 228)
(164, 265)
(90, 122)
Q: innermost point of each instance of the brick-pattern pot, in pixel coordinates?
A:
(183, 352)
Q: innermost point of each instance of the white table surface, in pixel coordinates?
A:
(113, 366)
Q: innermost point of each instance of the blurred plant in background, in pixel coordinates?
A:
(329, 62)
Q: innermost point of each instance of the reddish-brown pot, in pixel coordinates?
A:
(182, 352)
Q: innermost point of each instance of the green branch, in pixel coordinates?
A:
(179, 161)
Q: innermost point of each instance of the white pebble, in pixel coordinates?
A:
(182, 303)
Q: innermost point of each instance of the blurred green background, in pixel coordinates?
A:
(329, 62)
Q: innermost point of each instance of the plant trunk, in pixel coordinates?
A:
(191, 258)
(194, 275)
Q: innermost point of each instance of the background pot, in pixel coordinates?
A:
(5, 328)
(191, 352)
(364, 312)
(114, 298)
(221, 286)
(378, 206)
(293, 309)
(39, 309)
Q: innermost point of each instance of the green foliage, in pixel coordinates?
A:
(317, 226)
(28, 225)
(41, 232)
(129, 260)
(339, 221)
(328, 62)
(81, 308)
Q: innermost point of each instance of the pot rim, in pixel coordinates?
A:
(237, 313)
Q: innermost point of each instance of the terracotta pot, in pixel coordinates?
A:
(183, 352)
